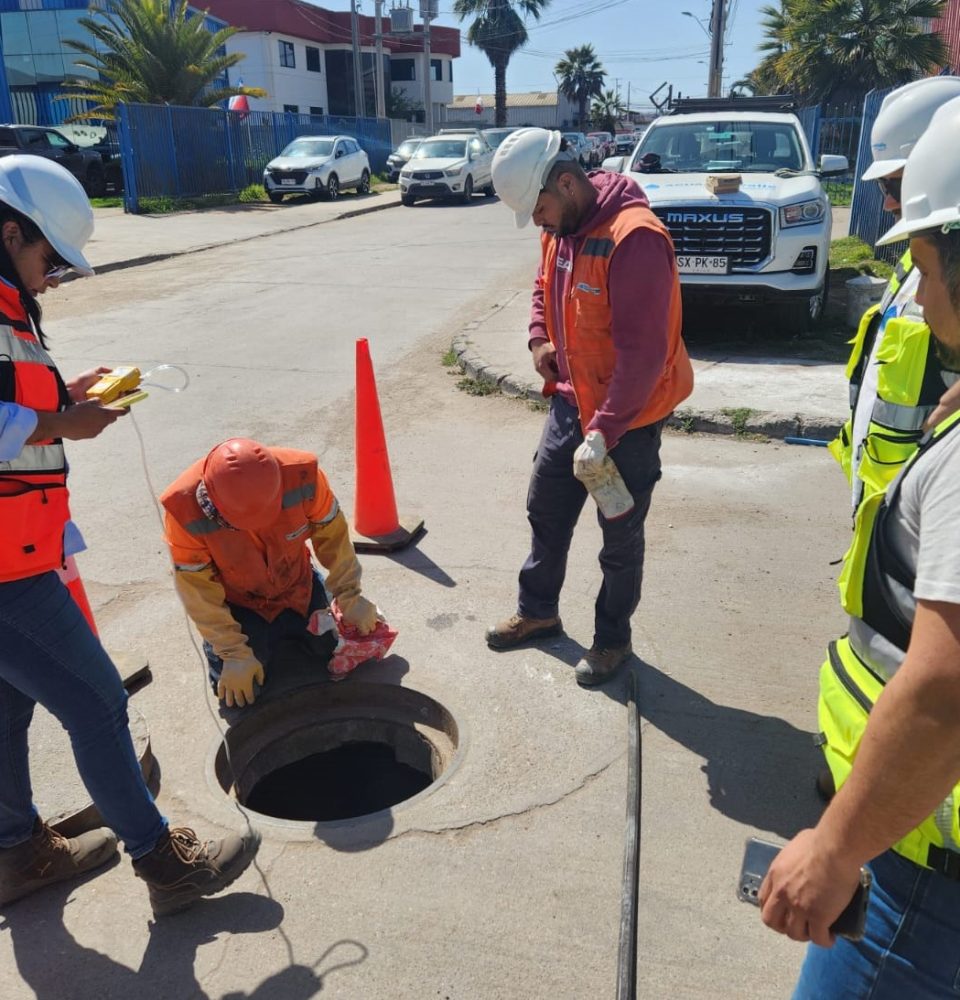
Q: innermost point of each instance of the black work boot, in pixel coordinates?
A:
(519, 629)
(181, 868)
(48, 857)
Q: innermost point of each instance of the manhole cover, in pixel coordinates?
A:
(334, 752)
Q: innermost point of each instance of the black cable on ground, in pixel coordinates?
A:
(627, 959)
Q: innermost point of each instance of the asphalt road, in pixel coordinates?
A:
(504, 882)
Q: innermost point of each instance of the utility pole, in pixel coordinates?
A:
(358, 108)
(628, 100)
(717, 23)
(378, 76)
(428, 11)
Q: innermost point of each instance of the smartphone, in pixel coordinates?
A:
(756, 861)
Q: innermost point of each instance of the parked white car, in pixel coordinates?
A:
(320, 166)
(743, 200)
(452, 165)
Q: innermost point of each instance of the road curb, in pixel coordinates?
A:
(120, 265)
(729, 420)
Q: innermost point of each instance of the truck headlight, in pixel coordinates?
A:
(454, 171)
(804, 213)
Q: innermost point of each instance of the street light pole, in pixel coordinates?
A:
(378, 75)
(358, 107)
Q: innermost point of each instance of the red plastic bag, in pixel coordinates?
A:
(354, 649)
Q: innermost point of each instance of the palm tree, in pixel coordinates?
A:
(607, 110)
(150, 52)
(838, 50)
(498, 31)
(581, 76)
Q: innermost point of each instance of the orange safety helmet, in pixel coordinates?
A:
(242, 478)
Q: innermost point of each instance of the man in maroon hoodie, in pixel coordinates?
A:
(605, 337)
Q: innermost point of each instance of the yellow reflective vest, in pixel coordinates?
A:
(909, 385)
(873, 585)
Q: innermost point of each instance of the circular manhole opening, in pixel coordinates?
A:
(334, 752)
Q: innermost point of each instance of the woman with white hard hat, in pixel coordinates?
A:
(49, 653)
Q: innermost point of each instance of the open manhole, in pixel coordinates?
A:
(333, 752)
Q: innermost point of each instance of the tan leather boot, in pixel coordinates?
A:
(518, 629)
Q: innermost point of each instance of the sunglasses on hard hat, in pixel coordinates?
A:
(891, 187)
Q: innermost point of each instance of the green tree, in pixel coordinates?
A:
(607, 110)
(838, 50)
(150, 52)
(498, 30)
(580, 74)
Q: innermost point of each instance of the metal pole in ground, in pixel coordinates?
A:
(378, 76)
(627, 957)
(357, 70)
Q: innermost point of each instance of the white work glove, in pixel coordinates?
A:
(358, 612)
(236, 682)
(588, 458)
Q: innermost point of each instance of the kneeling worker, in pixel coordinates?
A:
(237, 524)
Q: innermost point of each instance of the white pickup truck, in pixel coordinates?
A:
(737, 187)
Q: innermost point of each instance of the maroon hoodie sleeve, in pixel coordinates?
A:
(641, 279)
(538, 325)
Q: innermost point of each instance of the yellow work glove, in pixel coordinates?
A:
(236, 682)
(334, 550)
(205, 601)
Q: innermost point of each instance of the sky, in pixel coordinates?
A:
(642, 43)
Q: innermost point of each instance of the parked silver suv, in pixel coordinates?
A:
(319, 166)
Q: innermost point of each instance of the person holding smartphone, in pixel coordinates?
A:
(889, 708)
(49, 653)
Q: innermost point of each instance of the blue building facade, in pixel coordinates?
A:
(35, 59)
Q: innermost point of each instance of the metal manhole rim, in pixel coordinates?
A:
(310, 828)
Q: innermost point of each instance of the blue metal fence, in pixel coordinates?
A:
(867, 217)
(183, 152)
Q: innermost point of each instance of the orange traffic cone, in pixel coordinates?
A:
(377, 527)
(70, 575)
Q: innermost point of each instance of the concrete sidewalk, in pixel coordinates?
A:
(121, 240)
(778, 397)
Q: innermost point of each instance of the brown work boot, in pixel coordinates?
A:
(519, 629)
(48, 857)
(181, 868)
(599, 665)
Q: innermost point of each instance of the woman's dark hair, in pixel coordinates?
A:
(31, 234)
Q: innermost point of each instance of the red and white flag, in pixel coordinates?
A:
(478, 107)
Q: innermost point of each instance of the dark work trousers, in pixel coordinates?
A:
(266, 638)
(554, 502)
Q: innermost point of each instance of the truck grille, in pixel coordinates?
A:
(427, 175)
(298, 176)
(742, 234)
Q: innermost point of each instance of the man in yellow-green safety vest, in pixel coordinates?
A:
(894, 375)
(890, 690)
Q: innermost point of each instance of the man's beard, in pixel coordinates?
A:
(949, 357)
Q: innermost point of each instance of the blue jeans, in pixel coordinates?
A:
(48, 654)
(911, 949)
(266, 638)
(554, 502)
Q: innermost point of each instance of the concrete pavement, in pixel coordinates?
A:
(767, 395)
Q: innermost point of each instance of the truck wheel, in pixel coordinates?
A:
(802, 316)
(95, 182)
(407, 199)
(467, 193)
(275, 197)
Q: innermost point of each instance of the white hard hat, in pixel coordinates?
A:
(520, 167)
(930, 194)
(52, 198)
(903, 118)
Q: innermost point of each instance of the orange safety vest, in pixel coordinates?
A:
(268, 571)
(588, 320)
(34, 506)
